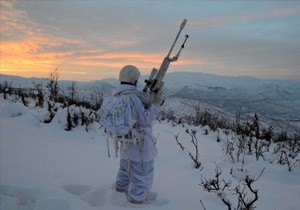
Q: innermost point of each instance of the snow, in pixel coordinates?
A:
(44, 167)
(277, 102)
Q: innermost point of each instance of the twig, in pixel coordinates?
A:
(202, 205)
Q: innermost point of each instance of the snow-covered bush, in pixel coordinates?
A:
(79, 116)
(78, 112)
(38, 94)
(194, 156)
(241, 197)
(52, 85)
(288, 152)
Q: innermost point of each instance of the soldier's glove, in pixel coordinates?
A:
(158, 100)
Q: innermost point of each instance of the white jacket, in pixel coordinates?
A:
(145, 118)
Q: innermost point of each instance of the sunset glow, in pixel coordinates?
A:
(94, 40)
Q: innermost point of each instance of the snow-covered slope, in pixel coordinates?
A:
(275, 101)
(176, 81)
(44, 167)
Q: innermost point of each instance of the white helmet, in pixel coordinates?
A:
(129, 74)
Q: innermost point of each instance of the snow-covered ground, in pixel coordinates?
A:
(44, 167)
(277, 102)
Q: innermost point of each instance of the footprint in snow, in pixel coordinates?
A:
(92, 196)
(107, 195)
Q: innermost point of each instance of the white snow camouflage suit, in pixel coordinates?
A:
(138, 181)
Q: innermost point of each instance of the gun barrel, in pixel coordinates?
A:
(181, 27)
(183, 24)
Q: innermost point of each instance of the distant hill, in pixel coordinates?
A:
(275, 100)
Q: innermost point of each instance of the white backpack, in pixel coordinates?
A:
(119, 120)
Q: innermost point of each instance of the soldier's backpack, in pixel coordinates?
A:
(119, 120)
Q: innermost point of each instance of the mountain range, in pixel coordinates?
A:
(275, 101)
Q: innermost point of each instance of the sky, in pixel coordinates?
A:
(93, 39)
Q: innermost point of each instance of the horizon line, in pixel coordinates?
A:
(143, 75)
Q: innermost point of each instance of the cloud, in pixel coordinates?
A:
(34, 52)
(267, 12)
(27, 47)
(88, 38)
(14, 23)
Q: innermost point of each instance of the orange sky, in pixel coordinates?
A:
(95, 40)
(27, 55)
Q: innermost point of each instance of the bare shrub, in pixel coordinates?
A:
(222, 188)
